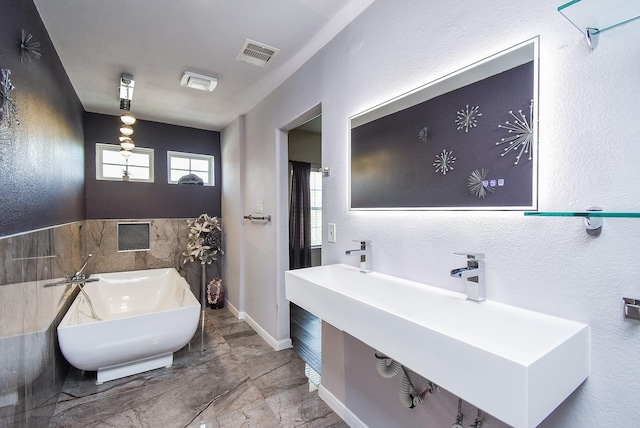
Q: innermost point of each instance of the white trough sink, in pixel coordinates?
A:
(515, 364)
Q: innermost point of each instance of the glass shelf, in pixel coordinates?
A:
(592, 17)
(594, 214)
(593, 220)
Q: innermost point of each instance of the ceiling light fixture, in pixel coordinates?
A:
(127, 144)
(198, 81)
(126, 91)
(128, 118)
(126, 130)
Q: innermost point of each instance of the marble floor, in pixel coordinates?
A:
(226, 377)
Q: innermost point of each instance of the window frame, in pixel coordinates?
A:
(192, 156)
(102, 147)
(312, 189)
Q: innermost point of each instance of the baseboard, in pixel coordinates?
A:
(278, 345)
(340, 409)
(234, 310)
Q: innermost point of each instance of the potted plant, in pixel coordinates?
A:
(205, 245)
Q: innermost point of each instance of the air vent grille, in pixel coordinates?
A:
(133, 236)
(257, 53)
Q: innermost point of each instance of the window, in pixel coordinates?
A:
(111, 165)
(181, 164)
(315, 184)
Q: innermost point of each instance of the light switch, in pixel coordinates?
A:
(331, 232)
(259, 208)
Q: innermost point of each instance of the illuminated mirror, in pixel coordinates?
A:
(466, 141)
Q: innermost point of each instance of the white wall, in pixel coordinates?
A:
(231, 140)
(588, 154)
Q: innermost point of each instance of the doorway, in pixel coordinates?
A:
(305, 145)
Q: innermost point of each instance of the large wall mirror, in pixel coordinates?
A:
(466, 141)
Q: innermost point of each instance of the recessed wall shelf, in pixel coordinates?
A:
(592, 17)
(592, 218)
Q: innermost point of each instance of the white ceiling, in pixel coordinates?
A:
(157, 40)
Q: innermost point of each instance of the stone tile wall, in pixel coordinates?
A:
(31, 367)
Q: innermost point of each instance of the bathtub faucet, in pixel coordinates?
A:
(474, 274)
(365, 255)
(79, 276)
(76, 278)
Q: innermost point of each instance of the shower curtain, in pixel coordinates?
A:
(300, 216)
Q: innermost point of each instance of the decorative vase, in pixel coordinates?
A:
(215, 294)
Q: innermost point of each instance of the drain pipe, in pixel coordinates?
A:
(407, 391)
(387, 367)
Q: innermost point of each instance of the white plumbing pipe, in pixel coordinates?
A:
(387, 367)
(405, 391)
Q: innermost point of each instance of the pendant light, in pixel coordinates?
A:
(128, 119)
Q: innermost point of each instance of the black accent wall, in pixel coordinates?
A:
(128, 200)
(42, 158)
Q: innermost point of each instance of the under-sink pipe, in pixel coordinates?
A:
(408, 395)
(406, 398)
(387, 367)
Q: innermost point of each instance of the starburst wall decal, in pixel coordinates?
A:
(29, 48)
(444, 162)
(478, 184)
(467, 118)
(423, 134)
(8, 108)
(521, 134)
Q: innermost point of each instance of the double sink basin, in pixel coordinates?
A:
(513, 363)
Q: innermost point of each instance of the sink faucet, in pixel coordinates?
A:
(365, 255)
(474, 274)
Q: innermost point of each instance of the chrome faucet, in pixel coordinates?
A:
(365, 255)
(79, 278)
(76, 278)
(79, 275)
(474, 274)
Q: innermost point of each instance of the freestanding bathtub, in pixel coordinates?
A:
(145, 316)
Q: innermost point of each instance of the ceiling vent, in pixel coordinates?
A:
(256, 53)
(198, 81)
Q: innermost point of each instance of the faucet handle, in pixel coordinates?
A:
(471, 255)
(366, 242)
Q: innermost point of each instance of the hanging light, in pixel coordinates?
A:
(127, 144)
(125, 152)
(126, 130)
(128, 119)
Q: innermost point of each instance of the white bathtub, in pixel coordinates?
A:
(145, 316)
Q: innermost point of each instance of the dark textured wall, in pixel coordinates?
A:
(41, 160)
(114, 199)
